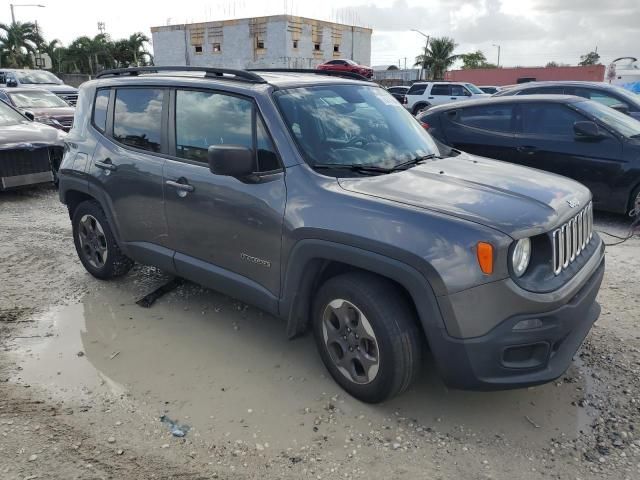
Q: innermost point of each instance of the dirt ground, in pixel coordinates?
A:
(86, 375)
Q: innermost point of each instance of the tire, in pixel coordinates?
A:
(420, 108)
(381, 328)
(634, 203)
(95, 244)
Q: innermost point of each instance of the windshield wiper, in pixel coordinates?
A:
(352, 167)
(412, 162)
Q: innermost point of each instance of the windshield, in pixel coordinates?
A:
(632, 97)
(8, 116)
(620, 122)
(37, 76)
(353, 125)
(36, 100)
(473, 88)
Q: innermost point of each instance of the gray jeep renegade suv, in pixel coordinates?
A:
(321, 200)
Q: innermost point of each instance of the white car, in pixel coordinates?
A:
(423, 95)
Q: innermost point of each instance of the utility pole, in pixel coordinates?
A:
(495, 45)
(101, 28)
(13, 5)
(426, 49)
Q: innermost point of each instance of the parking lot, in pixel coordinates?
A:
(86, 375)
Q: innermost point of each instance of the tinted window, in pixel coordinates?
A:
(620, 122)
(138, 117)
(458, 91)
(417, 89)
(100, 109)
(488, 117)
(599, 96)
(205, 118)
(543, 90)
(549, 119)
(441, 90)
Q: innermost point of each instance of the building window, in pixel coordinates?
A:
(336, 48)
(295, 44)
(316, 47)
(198, 48)
(259, 43)
(216, 48)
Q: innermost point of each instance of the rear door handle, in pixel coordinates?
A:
(454, 98)
(430, 98)
(526, 149)
(181, 187)
(106, 165)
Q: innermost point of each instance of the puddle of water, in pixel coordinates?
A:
(201, 356)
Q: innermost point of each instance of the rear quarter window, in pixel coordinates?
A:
(100, 106)
(417, 89)
(496, 118)
(441, 90)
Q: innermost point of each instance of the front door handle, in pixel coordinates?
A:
(106, 165)
(181, 187)
(526, 149)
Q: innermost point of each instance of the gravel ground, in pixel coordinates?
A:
(86, 374)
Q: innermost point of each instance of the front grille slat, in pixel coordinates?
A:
(569, 240)
(24, 161)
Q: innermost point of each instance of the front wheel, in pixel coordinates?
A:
(95, 243)
(367, 336)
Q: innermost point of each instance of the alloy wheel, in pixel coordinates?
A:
(350, 341)
(93, 242)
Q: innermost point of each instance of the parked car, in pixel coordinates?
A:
(11, 77)
(610, 95)
(322, 201)
(423, 95)
(578, 138)
(399, 93)
(30, 152)
(490, 89)
(40, 105)
(346, 65)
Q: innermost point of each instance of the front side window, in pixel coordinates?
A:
(553, 119)
(599, 96)
(352, 125)
(100, 109)
(496, 118)
(204, 119)
(459, 91)
(37, 99)
(138, 117)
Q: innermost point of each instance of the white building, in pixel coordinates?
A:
(279, 41)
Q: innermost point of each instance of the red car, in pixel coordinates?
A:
(343, 65)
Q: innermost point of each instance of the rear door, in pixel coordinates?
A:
(439, 94)
(546, 140)
(485, 130)
(220, 226)
(127, 163)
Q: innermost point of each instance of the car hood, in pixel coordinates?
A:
(25, 134)
(515, 200)
(50, 111)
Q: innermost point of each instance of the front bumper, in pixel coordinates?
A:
(507, 358)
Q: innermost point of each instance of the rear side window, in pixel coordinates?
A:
(599, 96)
(497, 118)
(543, 91)
(137, 118)
(417, 89)
(100, 106)
(441, 90)
(553, 119)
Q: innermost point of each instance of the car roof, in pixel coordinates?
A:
(440, 81)
(513, 99)
(552, 83)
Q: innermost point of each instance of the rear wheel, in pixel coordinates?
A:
(95, 243)
(367, 336)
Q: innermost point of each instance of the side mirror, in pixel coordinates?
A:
(30, 115)
(231, 160)
(12, 82)
(620, 107)
(587, 129)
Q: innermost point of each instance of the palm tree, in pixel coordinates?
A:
(137, 43)
(438, 57)
(17, 42)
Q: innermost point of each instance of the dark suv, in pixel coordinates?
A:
(321, 200)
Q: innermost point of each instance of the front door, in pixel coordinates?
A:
(230, 226)
(546, 140)
(126, 163)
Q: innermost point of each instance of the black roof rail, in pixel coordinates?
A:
(210, 72)
(332, 73)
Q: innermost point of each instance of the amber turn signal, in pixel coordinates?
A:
(484, 252)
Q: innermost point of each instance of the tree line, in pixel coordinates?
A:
(439, 55)
(20, 42)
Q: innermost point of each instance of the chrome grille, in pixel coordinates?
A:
(70, 98)
(570, 239)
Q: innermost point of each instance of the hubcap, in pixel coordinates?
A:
(350, 341)
(93, 242)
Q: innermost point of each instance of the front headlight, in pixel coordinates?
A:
(521, 256)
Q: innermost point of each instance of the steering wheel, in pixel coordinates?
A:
(353, 141)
